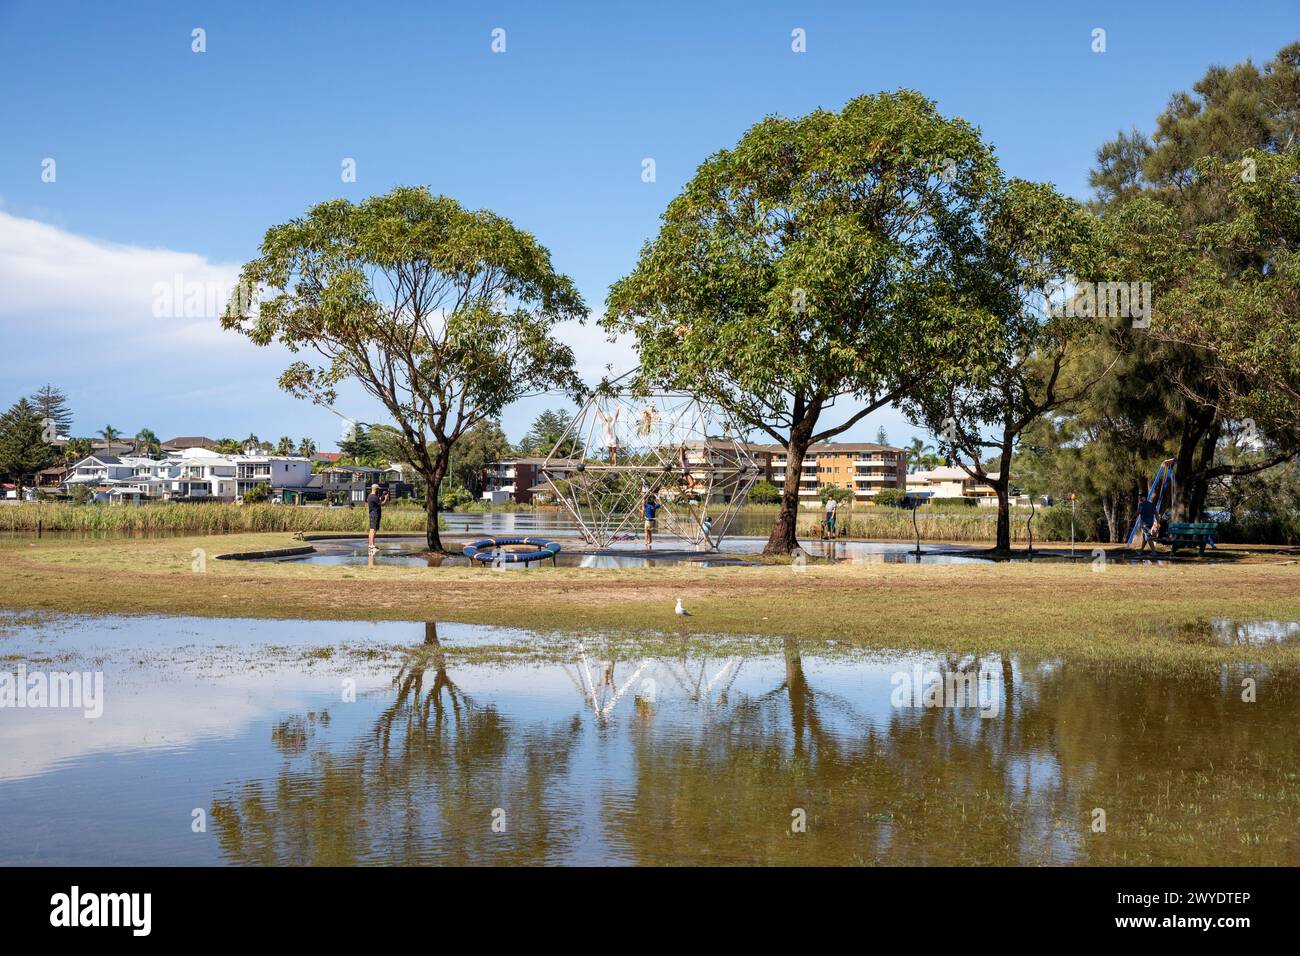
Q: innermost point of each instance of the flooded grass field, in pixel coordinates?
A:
(243, 741)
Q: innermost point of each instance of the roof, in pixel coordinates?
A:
(946, 473)
(190, 441)
(326, 455)
(830, 448)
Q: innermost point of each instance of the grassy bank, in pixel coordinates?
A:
(1126, 613)
(198, 518)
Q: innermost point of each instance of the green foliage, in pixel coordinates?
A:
(147, 443)
(548, 428)
(198, 518)
(443, 314)
(51, 403)
(23, 450)
(818, 259)
(483, 443)
(764, 493)
(454, 495)
(258, 494)
(841, 495)
(1207, 211)
(891, 497)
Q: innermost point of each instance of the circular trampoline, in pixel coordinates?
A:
(511, 550)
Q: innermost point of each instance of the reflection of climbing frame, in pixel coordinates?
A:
(623, 445)
(602, 693)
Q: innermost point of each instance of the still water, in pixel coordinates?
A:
(250, 741)
(631, 554)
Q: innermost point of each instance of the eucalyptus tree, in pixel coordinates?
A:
(1031, 240)
(806, 277)
(443, 314)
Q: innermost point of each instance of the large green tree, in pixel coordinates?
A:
(443, 314)
(1030, 240)
(1205, 210)
(52, 404)
(546, 432)
(484, 442)
(805, 278)
(23, 449)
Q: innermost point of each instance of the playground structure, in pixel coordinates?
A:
(625, 445)
(1196, 534)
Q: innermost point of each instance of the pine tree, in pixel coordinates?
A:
(51, 403)
(23, 449)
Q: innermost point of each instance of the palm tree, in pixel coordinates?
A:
(252, 442)
(109, 434)
(919, 454)
(284, 446)
(306, 448)
(78, 448)
(147, 440)
(229, 446)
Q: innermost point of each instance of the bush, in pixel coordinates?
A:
(257, 495)
(891, 497)
(454, 496)
(764, 493)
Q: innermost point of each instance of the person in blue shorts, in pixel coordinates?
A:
(651, 509)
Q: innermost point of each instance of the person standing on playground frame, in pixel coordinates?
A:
(375, 502)
(651, 507)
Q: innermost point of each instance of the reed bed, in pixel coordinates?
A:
(199, 518)
(974, 525)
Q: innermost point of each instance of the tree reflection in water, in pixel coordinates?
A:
(699, 769)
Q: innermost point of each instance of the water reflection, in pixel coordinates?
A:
(670, 752)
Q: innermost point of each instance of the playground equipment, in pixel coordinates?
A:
(1163, 480)
(507, 550)
(1177, 534)
(626, 444)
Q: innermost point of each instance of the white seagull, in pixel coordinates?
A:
(681, 611)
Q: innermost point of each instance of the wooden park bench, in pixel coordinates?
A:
(1185, 534)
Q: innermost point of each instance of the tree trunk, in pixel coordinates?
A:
(783, 538)
(1189, 487)
(1003, 545)
(431, 536)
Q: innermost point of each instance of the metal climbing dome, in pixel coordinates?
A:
(625, 445)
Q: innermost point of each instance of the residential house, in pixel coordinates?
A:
(194, 474)
(351, 482)
(520, 479)
(951, 482)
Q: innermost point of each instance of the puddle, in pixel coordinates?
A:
(1228, 632)
(404, 743)
(631, 554)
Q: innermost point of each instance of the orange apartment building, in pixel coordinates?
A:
(862, 467)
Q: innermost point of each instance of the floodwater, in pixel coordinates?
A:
(631, 554)
(289, 742)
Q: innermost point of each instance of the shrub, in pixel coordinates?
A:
(891, 497)
(764, 493)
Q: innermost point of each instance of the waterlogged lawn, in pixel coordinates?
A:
(356, 742)
(1153, 613)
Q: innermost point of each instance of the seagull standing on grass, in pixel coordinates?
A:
(681, 611)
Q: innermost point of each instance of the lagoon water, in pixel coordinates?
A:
(465, 744)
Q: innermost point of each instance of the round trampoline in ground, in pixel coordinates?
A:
(511, 550)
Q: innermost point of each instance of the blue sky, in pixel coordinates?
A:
(172, 162)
